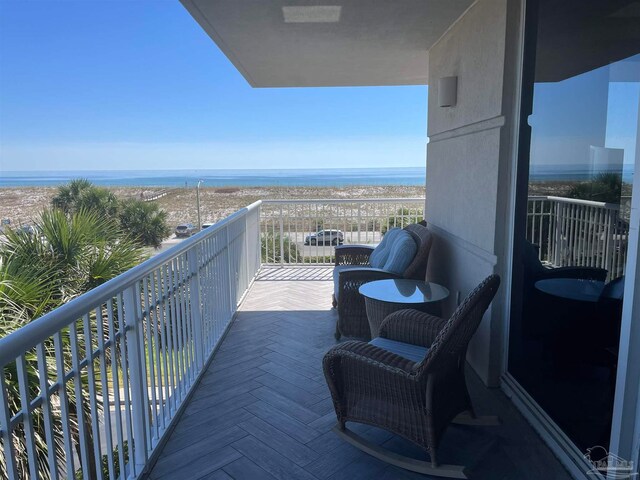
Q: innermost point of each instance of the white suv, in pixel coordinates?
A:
(322, 237)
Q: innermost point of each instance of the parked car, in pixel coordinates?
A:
(323, 237)
(206, 225)
(185, 230)
(27, 230)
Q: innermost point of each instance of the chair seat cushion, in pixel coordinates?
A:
(415, 353)
(336, 275)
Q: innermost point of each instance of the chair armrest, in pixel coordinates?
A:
(368, 357)
(412, 326)
(355, 370)
(366, 274)
(353, 254)
(352, 279)
(584, 273)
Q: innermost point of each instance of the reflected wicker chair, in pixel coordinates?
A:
(536, 306)
(352, 314)
(415, 398)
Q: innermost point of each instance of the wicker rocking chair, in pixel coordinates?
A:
(415, 398)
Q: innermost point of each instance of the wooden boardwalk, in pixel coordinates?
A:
(262, 409)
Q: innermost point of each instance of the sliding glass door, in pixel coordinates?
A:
(573, 217)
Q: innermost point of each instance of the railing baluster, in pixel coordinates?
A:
(27, 419)
(64, 402)
(143, 363)
(106, 404)
(93, 419)
(281, 222)
(43, 373)
(194, 290)
(79, 401)
(139, 404)
(166, 350)
(5, 430)
(150, 352)
(115, 376)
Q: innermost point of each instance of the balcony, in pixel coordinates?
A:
(205, 362)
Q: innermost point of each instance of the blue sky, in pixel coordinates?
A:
(139, 85)
(597, 108)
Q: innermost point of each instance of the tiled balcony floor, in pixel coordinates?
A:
(262, 409)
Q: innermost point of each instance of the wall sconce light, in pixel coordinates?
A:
(447, 91)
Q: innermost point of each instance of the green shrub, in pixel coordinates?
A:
(116, 463)
(403, 217)
(606, 187)
(270, 249)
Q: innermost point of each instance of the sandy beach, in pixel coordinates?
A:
(22, 204)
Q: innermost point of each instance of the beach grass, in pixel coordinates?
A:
(22, 204)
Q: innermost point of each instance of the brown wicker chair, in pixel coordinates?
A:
(352, 315)
(416, 399)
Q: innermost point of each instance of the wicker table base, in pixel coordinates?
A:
(377, 311)
(383, 297)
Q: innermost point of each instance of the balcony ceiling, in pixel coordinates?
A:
(294, 43)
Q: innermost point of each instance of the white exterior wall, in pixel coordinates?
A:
(470, 160)
(470, 194)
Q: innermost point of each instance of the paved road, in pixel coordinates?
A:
(306, 250)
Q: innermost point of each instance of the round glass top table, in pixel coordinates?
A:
(571, 288)
(383, 297)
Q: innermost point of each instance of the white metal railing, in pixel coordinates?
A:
(99, 380)
(286, 224)
(572, 232)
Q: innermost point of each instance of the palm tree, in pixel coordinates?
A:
(145, 222)
(68, 195)
(81, 194)
(67, 256)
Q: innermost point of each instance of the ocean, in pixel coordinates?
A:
(223, 178)
(321, 177)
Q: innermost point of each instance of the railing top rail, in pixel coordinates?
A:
(538, 197)
(590, 203)
(576, 201)
(342, 200)
(28, 336)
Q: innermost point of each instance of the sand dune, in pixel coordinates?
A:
(22, 204)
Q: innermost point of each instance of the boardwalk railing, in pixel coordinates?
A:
(285, 226)
(572, 232)
(89, 389)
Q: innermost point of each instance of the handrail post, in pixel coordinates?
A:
(259, 239)
(137, 376)
(232, 301)
(558, 234)
(281, 238)
(246, 249)
(196, 306)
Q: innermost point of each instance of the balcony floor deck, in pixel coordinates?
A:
(262, 409)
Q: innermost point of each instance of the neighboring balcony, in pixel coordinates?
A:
(205, 362)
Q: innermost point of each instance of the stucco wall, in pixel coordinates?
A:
(469, 150)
